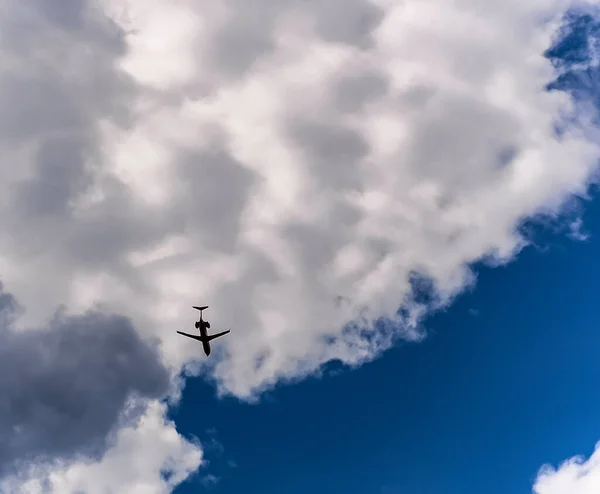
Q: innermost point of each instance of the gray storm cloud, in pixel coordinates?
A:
(66, 387)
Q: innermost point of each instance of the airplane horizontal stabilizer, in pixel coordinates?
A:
(199, 308)
(213, 336)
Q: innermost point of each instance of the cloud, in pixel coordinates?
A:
(149, 456)
(67, 386)
(575, 230)
(575, 476)
(74, 393)
(210, 481)
(294, 165)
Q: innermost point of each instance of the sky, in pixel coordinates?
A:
(392, 205)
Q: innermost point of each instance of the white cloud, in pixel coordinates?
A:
(274, 160)
(150, 457)
(291, 164)
(575, 476)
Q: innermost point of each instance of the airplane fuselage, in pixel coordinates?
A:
(204, 336)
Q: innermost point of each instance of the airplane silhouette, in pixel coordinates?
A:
(204, 337)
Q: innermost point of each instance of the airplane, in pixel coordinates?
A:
(204, 337)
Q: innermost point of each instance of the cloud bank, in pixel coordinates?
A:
(293, 165)
(296, 175)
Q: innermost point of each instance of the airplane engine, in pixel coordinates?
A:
(207, 324)
(197, 324)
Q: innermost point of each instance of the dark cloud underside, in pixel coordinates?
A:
(65, 387)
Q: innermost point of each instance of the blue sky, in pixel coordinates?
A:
(293, 165)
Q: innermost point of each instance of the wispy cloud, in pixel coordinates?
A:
(576, 230)
(210, 480)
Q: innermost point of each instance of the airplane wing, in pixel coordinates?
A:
(213, 336)
(190, 335)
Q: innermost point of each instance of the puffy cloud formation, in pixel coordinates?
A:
(296, 165)
(575, 476)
